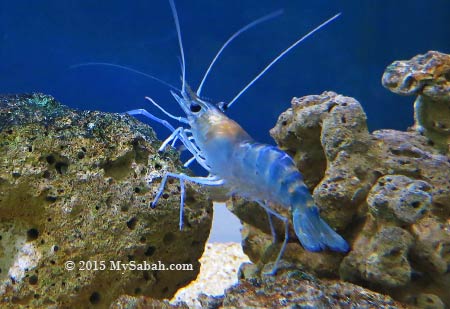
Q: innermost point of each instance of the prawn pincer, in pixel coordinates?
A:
(257, 172)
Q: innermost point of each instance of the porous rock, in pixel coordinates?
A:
(142, 302)
(293, 288)
(381, 260)
(428, 77)
(386, 192)
(76, 186)
(400, 199)
(429, 301)
(337, 130)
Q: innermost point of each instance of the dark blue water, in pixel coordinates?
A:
(40, 40)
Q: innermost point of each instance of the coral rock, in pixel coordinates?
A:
(142, 302)
(428, 301)
(386, 192)
(322, 132)
(399, 198)
(76, 186)
(432, 247)
(292, 288)
(383, 261)
(428, 77)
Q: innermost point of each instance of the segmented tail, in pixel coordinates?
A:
(314, 233)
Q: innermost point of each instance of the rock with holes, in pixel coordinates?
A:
(428, 77)
(429, 301)
(132, 302)
(386, 192)
(294, 288)
(76, 228)
(322, 133)
(432, 247)
(399, 199)
(382, 259)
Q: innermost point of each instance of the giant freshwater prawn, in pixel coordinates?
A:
(236, 162)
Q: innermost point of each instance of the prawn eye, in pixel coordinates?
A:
(195, 108)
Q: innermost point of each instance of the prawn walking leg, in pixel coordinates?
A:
(209, 181)
(272, 228)
(286, 232)
(143, 112)
(180, 134)
(269, 217)
(177, 134)
(172, 138)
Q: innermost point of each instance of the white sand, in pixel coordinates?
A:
(219, 266)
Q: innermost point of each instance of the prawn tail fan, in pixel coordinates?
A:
(314, 233)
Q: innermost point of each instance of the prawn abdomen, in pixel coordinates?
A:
(263, 172)
(269, 174)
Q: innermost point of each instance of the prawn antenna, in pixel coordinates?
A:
(281, 56)
(236, 34)
(180, 43)
(118, 66)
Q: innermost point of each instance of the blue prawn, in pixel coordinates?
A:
(235, 161)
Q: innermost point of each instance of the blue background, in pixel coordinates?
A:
(40, 40)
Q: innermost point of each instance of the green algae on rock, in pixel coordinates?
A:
(76, 186)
